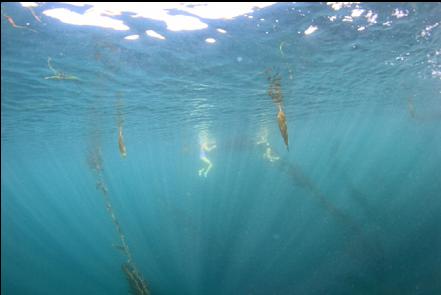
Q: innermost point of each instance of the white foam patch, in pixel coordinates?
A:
(132, 37)
(89, 18)
(371, 17)
(221, 31)
(426, 31)
(311, 29)
(357, 12)
(219, 10)
(98, 14)
(78, 4)
(153, 34)
(29, 4)
(210, 40)
(400, 13)
(339, 5)
(183, 23)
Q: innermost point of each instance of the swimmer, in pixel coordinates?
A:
(12, 22)
(203, 156)
(37, 18)
(122, 147)
(262, 140)
(58, 75)
(263, 137)
(281, 118)
(269, 155)
(14, 25)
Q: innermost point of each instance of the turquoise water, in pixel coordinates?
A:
(352, 208)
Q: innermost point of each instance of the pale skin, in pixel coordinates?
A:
(14, 25)
(58, 75)
(268, 154)
(206, 148)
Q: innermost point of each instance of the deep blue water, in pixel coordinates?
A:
(354, 206)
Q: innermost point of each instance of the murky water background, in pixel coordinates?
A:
(352, 208)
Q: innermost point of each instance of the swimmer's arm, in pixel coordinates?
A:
(49, 65)
(262, 140)
(60, 77)
(52, 78)
(210, 148)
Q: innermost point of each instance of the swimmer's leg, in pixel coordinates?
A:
(262, 140)
(208, 169)
(209, 165)
(49, 65)
(57, 77)
(69, 77)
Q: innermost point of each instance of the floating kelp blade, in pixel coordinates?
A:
(281, 118)
(275, 92)
(122, 147)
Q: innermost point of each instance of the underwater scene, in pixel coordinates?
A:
(220, 148)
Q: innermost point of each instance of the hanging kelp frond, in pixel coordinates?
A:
(137, 284)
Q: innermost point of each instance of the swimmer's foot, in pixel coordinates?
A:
(200, 171)
(261, 140)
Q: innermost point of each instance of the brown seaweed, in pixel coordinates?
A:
(136, 282)
(275, 88)
(120, 122)
(281, 118)
(122, 147)
(275, 92)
